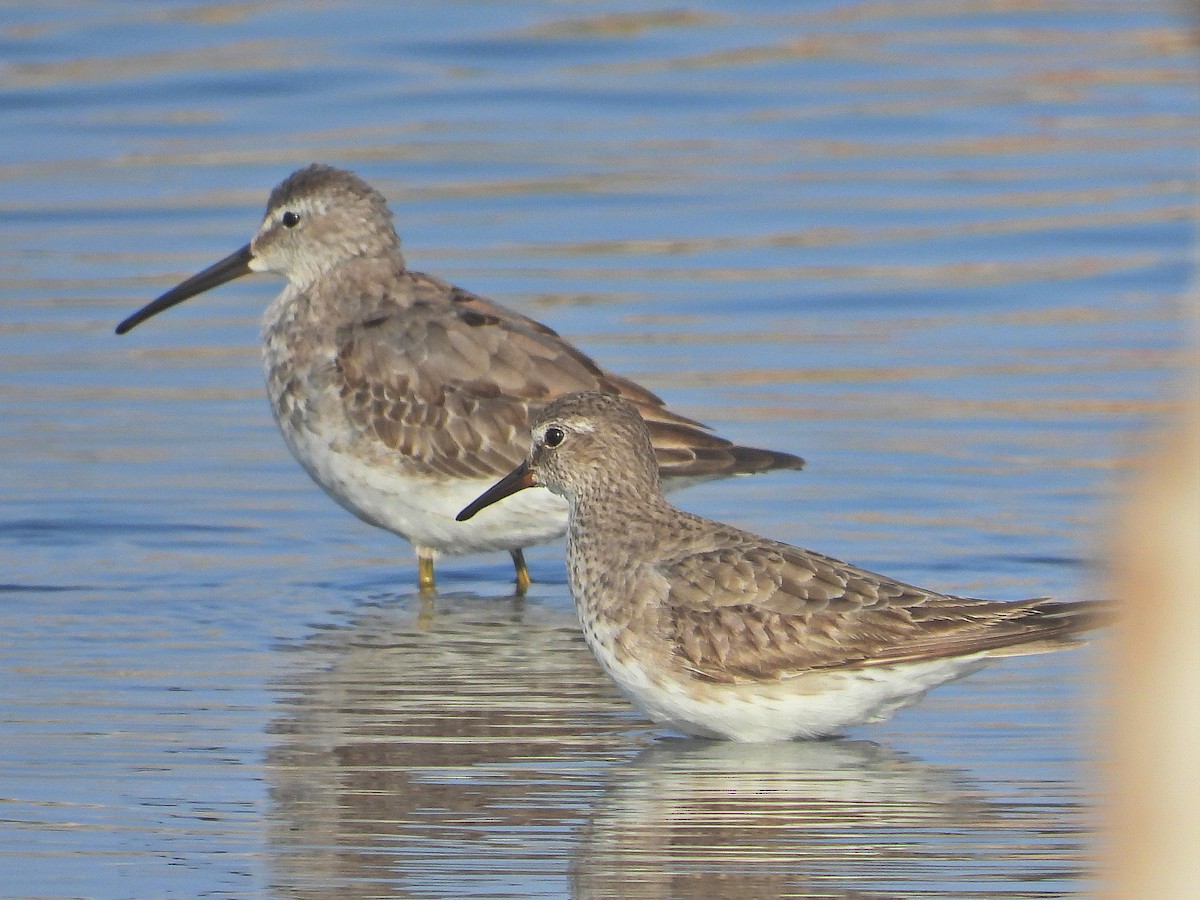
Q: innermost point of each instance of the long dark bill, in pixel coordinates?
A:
(235, 265)
(517, 480)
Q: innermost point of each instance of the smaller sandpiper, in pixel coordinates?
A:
(720, 633)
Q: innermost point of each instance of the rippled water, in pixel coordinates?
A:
(936, 248)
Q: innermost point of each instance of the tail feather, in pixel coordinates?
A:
(1055, 625)
(990, 629)
(686, 451)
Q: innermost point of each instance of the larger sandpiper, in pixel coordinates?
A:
(404, 396)
(720, 633)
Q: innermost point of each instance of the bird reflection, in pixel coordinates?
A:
(811, 818)
(424, 734)
(470, 746)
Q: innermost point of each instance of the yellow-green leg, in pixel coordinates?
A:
(523, 579)
(425, 569)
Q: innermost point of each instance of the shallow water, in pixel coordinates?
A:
(936, 248)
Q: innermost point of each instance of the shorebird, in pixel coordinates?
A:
(404, 396)
(720, 633)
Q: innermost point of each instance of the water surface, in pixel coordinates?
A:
(937, 249)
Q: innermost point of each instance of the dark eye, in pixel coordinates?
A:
(553, 437)
(290, 219)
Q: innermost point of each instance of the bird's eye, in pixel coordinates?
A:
(553, 436)
(290, 219)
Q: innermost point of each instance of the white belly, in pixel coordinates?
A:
(422, 510)
(806, 706)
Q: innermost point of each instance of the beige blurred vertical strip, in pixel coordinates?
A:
(1154, 841)
(1154, 834)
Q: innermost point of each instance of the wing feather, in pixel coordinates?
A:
(753, 609)
(450, 382)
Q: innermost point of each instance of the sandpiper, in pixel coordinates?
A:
(720, 633)
(404, 396)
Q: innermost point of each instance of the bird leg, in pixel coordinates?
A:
(425, 569)
(523, 579)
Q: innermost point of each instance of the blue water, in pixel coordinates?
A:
(938, 250)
